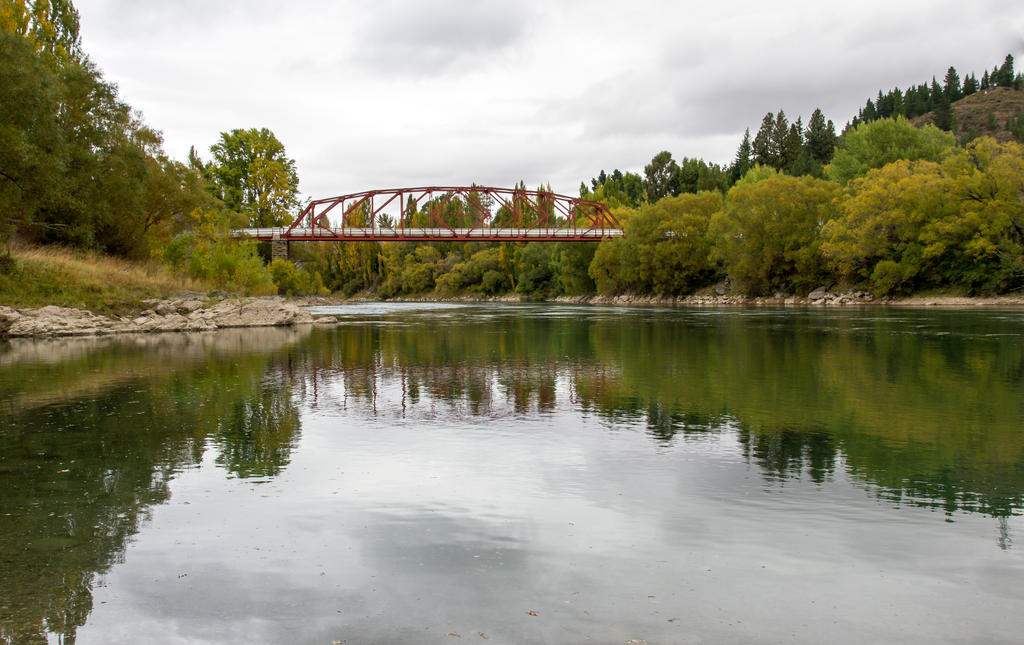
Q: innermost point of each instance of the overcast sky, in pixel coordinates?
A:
(391, 93)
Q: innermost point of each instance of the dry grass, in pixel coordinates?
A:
(39, 276)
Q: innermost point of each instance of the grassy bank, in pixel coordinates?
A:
(36, 277)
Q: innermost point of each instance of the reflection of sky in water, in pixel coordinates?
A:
(667, 475)
(404, 525)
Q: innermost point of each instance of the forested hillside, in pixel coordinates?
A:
(889, 204)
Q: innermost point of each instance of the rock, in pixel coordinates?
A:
(189, 315)
(818, 293)
(171, 322)
(59, 321)
(721, 288)
(188, 306)
(258, 313)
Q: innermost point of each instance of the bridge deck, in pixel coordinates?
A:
(379, 234)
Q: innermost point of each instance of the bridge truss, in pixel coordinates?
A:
(447, 213)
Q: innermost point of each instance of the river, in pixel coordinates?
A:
(441, 473)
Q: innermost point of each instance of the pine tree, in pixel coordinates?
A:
(1004, 76)
(952, 87)
(943, 114)
(937, 96)
(990, 123)
(764, 148)
(792, 146)
(984, 81)
(883, 106)
(970, 85)
(821, 138)
(742, 163)
(923, 99)
(868, 112)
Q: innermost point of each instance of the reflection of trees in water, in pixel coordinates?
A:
(459, 390)
(79, 470)
(922, 418)
(256, 435)
(787, 453)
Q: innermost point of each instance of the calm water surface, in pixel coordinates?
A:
(524, 473)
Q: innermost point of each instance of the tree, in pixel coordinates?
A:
(970, 85)
(943, 114)
(662, 175)
(252, 175)
(868, 112)
(792, 146)
(741, 164)
(987, 232)
(50, 25)
(780, 132)
(872, 145)
(768, 235)
(918, 224)
(821, 138)
(951, 84)
(32, 152)
(877, 234)
(1004, 77)
(765, 147)
(665, 250)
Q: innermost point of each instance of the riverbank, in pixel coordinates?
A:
(817, 298)
(193, 311)
(187, 312)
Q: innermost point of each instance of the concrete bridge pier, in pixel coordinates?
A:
(278, 249)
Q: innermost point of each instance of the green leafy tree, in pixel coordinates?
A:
(662, 174)
(534, 269)
(768, 235)
(986, 235)
(32, 151)
(665, 251)
(877, 236)
(206, 250)
(251, 173)
(873, 145)
(51, 26)
(918, 224)
(570, 262)
(292, 280)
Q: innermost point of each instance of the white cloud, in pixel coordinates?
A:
(398, 92)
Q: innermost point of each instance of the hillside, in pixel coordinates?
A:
(976, 113)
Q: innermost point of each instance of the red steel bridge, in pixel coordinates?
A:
(446, 213)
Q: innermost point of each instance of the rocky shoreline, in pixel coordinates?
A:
(199, 312)
(189, 312)
(821, 297)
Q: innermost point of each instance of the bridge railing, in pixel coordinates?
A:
(448, 213)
